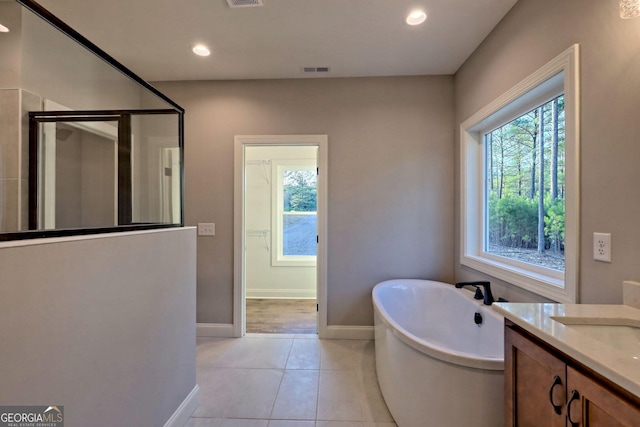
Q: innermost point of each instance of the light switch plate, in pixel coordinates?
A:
(206, 229)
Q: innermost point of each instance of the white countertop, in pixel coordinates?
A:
(617, 361)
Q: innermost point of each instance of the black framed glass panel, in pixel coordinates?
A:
(86, 145)
(104, 169)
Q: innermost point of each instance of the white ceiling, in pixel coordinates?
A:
(352, 37)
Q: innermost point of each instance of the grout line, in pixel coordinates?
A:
(283, 370)
(286, 362)
(317, 396)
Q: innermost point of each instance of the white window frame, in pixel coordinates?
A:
(278, 259)
(561, 75)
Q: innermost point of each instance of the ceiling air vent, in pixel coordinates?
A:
(315, 69)
(244, 3)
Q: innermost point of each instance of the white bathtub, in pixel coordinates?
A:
(435, 366)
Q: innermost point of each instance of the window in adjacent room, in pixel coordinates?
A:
(295, 212)
(520, 183)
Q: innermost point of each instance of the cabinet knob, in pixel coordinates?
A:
(556, 381)
(574, 396)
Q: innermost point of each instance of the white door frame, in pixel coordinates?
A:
(239, 283)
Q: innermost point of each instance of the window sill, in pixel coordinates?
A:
(288, 262)
(540, 284)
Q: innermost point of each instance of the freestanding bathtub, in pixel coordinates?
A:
(436, 367)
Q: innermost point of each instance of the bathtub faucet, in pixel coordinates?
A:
(488, 296)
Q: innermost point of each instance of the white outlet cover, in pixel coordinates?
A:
(602, 247)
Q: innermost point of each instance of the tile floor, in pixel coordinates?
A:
(274, 380)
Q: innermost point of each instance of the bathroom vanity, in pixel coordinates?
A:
(571, 365)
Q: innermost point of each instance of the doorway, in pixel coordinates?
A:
(280, 234)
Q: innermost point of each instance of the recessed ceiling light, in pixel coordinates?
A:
(201, 50)
(416, 17)
(3, 29)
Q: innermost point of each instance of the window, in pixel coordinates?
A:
(519, 207)
(295, 213)
(524, 198)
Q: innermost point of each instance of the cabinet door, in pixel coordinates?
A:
(534, 383)
(596, 406)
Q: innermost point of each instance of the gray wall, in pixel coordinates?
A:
(532, 33)
(56, 68)
(85, 180)
(11, 13)
(103, 325)
(390, 177)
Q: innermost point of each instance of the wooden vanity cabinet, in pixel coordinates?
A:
(530, 372)
(595, 405)
(544, 387)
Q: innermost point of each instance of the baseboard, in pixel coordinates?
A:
(181, 416)
(348, 333)
(214, 330)
(281, 293)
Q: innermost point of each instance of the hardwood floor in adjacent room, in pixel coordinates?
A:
(281, 316)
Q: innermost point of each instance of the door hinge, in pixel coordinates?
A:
(317, 239)
(317, 307)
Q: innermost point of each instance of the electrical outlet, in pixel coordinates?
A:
(206, 229)
(602, 247)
